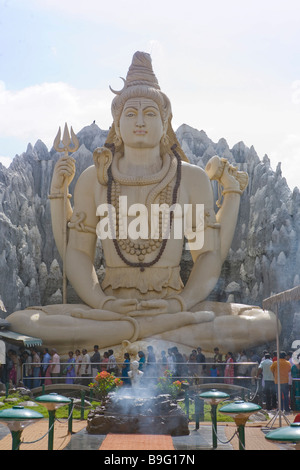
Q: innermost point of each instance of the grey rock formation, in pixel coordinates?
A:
(264, 257)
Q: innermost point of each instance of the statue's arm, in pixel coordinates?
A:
(233, 183)
(206, 252)
(218, 231)
(203, 278)
(64, 170)
(82, 241)
(227, 215)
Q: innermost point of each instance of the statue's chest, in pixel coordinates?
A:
(133, 195)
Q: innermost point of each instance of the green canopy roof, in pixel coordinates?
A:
(12, 336)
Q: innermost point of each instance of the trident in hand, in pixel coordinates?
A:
(68, 145)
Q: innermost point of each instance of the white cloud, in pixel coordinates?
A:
(197, 12)
(296, 92)
(37, 111)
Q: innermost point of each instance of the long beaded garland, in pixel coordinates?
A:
(133, 247)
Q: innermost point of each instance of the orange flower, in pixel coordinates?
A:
(102, 375)
(177, 382)
(118, 382)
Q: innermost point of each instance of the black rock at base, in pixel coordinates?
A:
(138, 415)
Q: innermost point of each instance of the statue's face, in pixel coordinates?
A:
(141, 125)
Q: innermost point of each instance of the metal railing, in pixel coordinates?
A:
(183, 371)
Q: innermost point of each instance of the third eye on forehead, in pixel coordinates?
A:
(140, 104)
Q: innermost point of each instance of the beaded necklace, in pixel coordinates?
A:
(140, 249)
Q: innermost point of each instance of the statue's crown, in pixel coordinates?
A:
(140, 72)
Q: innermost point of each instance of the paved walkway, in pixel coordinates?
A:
(254, 437)
(136, 442)
(201, 439)
(32, 435)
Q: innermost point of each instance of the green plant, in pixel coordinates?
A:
(166, 384)
(105, 383)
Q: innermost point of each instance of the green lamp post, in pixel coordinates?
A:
(52, 402)
(286, 435)
(240, 411)
(16, 419)
(214, 397)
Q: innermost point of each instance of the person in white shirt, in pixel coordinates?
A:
(86, 367)
(268, 381)
(170, 362)
(55, 366)
(112, 363)
(78, 367)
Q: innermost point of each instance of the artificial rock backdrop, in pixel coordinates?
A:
(263, 260)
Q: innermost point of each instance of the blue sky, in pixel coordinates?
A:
(230, 68)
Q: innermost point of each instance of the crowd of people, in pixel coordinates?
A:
(34, 368)
(263, 374)
(283, 371)
(249, 370)
(31, 367)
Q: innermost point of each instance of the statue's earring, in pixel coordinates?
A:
(117, 137)
(165, 141)
(164, 144)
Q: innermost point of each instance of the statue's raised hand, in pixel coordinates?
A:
(228, 178)
(64, 170)
(227, 175)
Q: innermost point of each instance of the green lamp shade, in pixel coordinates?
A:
(214, 396)
(52, 401)
(240, 407)
(289, 433)
(18, 417)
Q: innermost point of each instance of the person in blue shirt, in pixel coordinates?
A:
(45, 364)
(126, 369)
